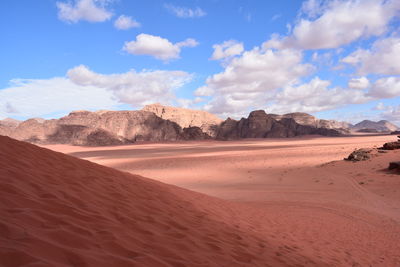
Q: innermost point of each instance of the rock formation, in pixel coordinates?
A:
(160, 123)
(380, 126)
(99, 128)
(8, 125)
(261, 125)
(360, 154)
(185, 118)
(309, 120)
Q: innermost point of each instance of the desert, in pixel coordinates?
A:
(172, 133)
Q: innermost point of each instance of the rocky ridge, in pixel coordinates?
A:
(261, 125)
(309, 120)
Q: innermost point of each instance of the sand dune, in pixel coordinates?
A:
(57, 210)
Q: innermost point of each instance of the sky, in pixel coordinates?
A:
(333, 59)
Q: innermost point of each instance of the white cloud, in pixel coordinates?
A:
(227, 49)
(204, 91)
(250, 80)
(338, 23)
(380, 106)
(387, 87)
(185, 12)
(359, 83)
(392, 114)
(135, 88)
(315, 96)
(125, 23)
(89, 10)
(85, 89)
(382, 58)
(38, 98)
(157, 46)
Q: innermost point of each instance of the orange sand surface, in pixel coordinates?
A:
(281, 202)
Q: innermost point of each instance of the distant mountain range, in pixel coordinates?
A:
(162, 123)
(379, 126)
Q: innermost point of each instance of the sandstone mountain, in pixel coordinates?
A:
(379, 126)
(160, 123)
(307, 119)
(102, 128)
(207, 122)
(261, 125)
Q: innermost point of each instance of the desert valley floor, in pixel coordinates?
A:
(312, 197)
(272, 202)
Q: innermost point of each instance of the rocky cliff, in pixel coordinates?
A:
(261, 125)
(185, 118)
(307, 119)
(102, 128)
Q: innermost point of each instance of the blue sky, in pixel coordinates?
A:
(333, 59)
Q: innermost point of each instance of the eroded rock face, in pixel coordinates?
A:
(99, 128)
(261, 125)
(185, 118)
(309, 120)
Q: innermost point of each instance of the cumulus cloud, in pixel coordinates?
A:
(382, 58)
(249, 80)
(37, 97)
(89, 10)
(135, 88)
(227, 49)
(156, 46)
(185, 12)
(125, 23)
(387, 87)
(86, 89)
(359, 83)
(331, 24)
(392, 113)
(315, 96)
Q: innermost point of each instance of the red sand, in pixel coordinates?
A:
(295, 208)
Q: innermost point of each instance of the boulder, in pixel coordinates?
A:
(391, 145)
(395, 165)
(360, 154)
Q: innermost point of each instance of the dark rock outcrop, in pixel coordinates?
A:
(360, 154)
(261, 125)
(194, 133)
(309, 120)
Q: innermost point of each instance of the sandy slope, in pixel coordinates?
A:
(56, 210)
(340, 213)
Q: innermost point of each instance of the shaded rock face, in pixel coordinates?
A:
(185, 118)
(194, 133)
(379, 126)
(98, 128)
(309, 120)
(261, 125)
